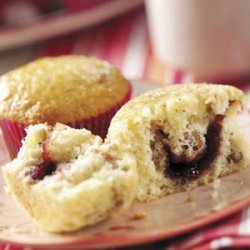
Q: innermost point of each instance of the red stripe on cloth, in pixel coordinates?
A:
(7, 246)
(178, 76)
(241, 241)
(58, 47)
(83, 44)
(226, 228)
(98, 38)
(116, 44)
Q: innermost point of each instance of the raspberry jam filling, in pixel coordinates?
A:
(194, 168)
(45, 168)
(178, 166)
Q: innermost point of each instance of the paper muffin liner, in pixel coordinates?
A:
(13, 132)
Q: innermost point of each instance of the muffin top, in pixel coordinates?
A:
(184, 100)
(60, 89)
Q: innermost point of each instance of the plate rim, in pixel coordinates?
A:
(138, 238)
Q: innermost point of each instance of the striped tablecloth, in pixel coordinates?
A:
(125, 43)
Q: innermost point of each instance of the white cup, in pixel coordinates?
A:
(208, 38)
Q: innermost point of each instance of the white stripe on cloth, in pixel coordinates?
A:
(221, 243)
(135, 56)
(244, 227)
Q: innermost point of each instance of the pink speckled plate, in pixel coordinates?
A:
(164, 218)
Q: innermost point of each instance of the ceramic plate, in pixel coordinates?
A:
(144, 222)
(61, 23)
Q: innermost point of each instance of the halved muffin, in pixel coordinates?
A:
(182, 136)
(65, 179)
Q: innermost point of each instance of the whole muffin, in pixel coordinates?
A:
(73, 90)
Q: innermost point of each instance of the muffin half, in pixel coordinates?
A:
(65, 179)
(182, 136)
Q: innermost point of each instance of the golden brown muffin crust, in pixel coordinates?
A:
(60, 89)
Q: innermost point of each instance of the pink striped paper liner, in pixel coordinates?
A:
(13, 132)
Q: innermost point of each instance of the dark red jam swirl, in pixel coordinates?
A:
(191, 170)
(45, 168)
